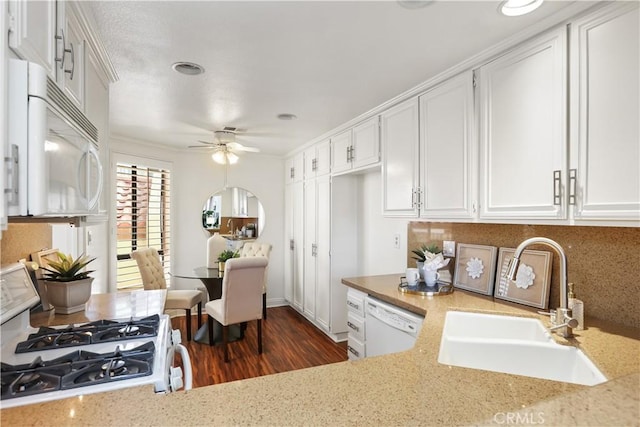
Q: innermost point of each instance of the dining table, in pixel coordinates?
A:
(212, 280)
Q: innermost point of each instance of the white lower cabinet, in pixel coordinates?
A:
(605, 146)
(356, 348)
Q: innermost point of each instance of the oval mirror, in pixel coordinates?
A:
(233, 211)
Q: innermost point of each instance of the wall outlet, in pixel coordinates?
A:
(449, 248)
(396, 241)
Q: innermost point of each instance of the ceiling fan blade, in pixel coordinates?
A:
(208, 142)
(239, 147)
(210, 147)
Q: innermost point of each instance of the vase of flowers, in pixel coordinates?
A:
(67, 284)
(423, 253)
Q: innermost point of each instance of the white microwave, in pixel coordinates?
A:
(53, 164)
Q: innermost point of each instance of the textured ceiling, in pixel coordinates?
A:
(326, 62)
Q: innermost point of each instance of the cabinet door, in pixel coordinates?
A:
(323, 158)
(298, 244)
(294, 168)
(71, 76)
(310, 248)
(32, 36)
(97, 111)
(365, 149)
(323, 249)
(288, 244)
(400, 142)
(446, 148)
(523, 131)
(340, 152)
(606, 129)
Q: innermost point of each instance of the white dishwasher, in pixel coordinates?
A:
(389, 329)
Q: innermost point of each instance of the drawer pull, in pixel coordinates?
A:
(353, 351)
(354, 305)
(352, 326)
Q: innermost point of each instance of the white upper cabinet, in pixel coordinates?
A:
(294, 168)
(399, 128)
(447, 150)
(605, 129)
(71, 70)
(356, 148)
(317, 160)
(523, 124)
(32, 32)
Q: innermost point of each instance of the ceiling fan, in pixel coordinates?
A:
(225, 147)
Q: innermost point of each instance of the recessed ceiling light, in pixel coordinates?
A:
(188, 68)
(414, 4)
(287, 116)
(519, 7)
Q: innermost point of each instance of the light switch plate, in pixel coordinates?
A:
(449, 248)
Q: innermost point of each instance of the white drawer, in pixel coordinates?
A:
(355, 326)
(355, 349)
(355, 301)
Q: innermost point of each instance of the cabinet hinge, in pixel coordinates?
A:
(475, 79)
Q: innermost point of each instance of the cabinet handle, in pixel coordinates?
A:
(348, 154)
(64, 49)
(352, 326)
(314, 165)
(290, 244)
(573, 177)
(557, 185)
(291, 173)
(13, 165)
(353, 350)
(73, 61)
(419, 197)
(353, 149)
(354, 305)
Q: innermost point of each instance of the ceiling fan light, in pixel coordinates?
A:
(519, 7)
(219, 157)
(233, 159)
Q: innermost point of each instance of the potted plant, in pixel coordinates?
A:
(224, 256)
(421, 255)
(67, 284)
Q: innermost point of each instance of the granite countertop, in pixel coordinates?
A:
(397, 389)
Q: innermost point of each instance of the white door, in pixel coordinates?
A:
(605, 128)
(298, 244)
(323, 249)
(447, 171)
(523, 131)
(323, 158)
(310, 248)
(33, 34)
(400, 149)
(341, 152)
(365, 149)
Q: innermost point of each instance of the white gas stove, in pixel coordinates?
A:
(42, 364)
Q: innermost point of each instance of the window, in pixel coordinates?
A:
(143, 218)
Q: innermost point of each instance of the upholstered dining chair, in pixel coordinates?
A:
(242, 285)
(263, 250)
(152, 273)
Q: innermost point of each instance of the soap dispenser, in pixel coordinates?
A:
(577, 308)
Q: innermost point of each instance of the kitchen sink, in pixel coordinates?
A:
(512, 345)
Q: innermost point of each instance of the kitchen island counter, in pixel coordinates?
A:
(397, 389)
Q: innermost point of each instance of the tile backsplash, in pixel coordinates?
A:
(603, 262)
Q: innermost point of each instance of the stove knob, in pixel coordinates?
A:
(175, 378)
(176, 336)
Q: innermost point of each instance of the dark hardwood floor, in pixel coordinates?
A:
(289, 342)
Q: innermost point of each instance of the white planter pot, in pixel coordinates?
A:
(68, 297)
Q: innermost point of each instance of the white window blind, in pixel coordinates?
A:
(143, 218)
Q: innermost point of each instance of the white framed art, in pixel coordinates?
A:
(533, 278)
(475, 268)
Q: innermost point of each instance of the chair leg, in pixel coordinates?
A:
(188, 310)
(225, 337)
(199, 315)
(259, 336)
(264, 306)
(210, 327)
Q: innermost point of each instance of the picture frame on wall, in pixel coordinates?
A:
(533, 278)
(475, 268)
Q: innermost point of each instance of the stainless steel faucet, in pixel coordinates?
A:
(562, 320)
